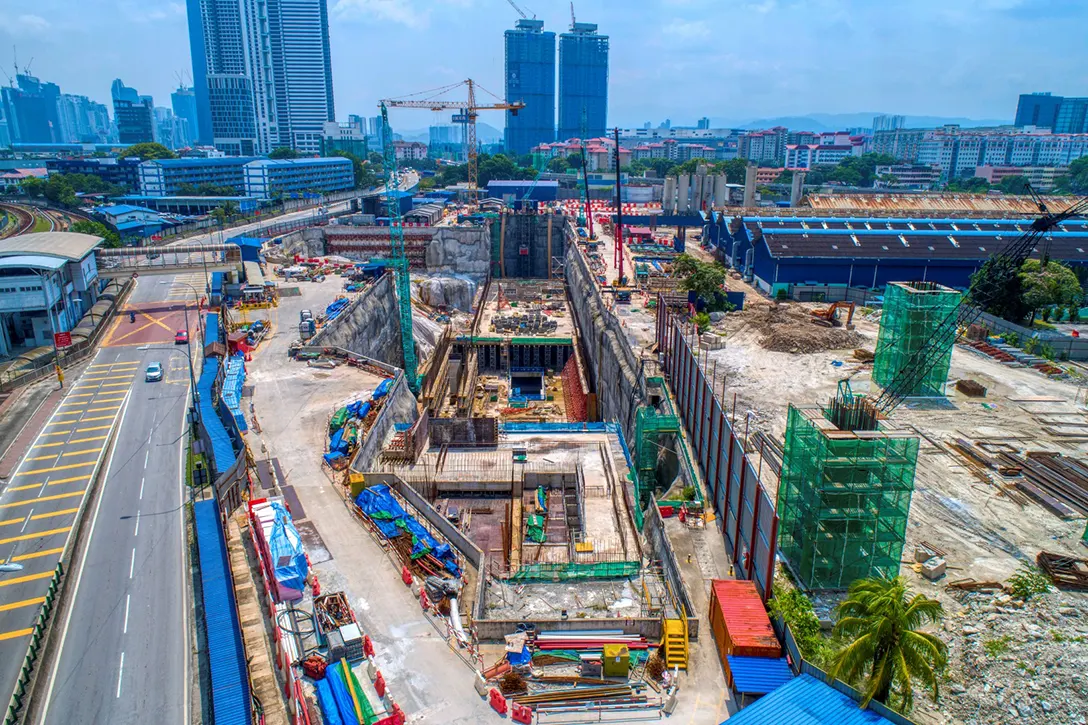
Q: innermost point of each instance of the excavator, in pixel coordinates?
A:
(829, 317)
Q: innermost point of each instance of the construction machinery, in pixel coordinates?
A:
(469, 109)
(829, 316)
(398, 254)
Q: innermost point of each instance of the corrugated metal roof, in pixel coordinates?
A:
(211, 320)
(73, 246)
(931, 202)
(744, 614)
(32, 260)
(222, 451)
(805, 700)
(226, 654)
(758, 675)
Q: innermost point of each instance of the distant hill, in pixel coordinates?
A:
(485, 133)
(819, 122)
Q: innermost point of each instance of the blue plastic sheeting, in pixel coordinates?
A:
(327, 701)
(226, 655)
(217, 283)
(805, 700)
(232, 389)
(519, 659)
(334, 674)
(222, 452)
(288, 555)
(337, 444)
(338, 306)
(383, 389)
(211, 328)
(758, 675)
(392, 520)
(359, 409)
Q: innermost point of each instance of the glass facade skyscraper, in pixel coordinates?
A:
(1038, 109)
(302, 70)
(530, 78)
(583, 82)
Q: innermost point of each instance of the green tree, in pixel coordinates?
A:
(111, 239)
(375, 158)
(1015, 185)
(1076, 180)
(888, 179)
(1056, 284)
(660, 167)
(971, 185)
(365, 178)
(283, 152)
(998, 288)
(885, 651)
(32, 186)
(685, 265)
(786, 177)
(796, 610)
(574, 161)
(558, 165)
(147, 151)
(706, 282)
(58, 191)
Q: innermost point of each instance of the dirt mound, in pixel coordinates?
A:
(789, 328)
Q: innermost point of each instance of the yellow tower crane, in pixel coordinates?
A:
(470, 109)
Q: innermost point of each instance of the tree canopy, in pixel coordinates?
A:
(1076, 180)
(885, 651)
(111, 239)
(1054, 285)
(365, 177)
(284, 152)
(1017, 184)
(971, 184)
(998, 289)
(147, 151)
(206, 189)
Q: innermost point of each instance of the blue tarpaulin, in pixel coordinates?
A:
(288, 555)
(327, 701)
(222, 450)
(383, 389)
(517, 659)
(211, 328)
(231, 393)
(344, 703)
(392, 520)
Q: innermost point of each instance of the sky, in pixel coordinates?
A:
(731, 60)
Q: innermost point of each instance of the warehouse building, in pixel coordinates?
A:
(251, 177)
(779, 253)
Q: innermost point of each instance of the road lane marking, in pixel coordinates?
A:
(120, 674)
(100, 417)
(37, 554)
(141, 489)
(93, 428)
(47, 482)
(114, 385)
(51, 445)
(14, 634)
(120, 393)
(26, 578)
(146, 456)
(42, 498)
(114, 365)
(137, 531)
(128, 597)
(56, 468)
(24, 603)
(84, 452)
(50, 457)
(88, 440)
(102, 409)
(55, 433)
(35, 535)
(81, 395)
(132, 563)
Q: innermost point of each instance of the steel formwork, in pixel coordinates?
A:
(913, 312)
(843, 500)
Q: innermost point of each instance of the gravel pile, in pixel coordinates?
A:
(1013, 662)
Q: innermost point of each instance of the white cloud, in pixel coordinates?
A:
(687, 29)
(395, 11)
(32, 23)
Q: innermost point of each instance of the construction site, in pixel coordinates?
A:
(530, 478)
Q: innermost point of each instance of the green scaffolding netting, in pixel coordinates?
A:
(568, 571)
(843, 500)
(913, 311)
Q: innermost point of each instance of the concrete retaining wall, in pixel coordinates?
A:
(307, 242)
(613, 367)
(401, 408)
(459, 251)
(369, 326)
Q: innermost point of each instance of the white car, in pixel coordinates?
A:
(153, 373)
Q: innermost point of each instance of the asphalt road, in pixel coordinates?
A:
(124, 649)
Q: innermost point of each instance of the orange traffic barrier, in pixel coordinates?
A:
(406, 576)
(379, 685)
(521, 713)
(368, 646)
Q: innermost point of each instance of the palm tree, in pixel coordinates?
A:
(880, 621)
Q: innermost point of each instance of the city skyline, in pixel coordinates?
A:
(668, 52)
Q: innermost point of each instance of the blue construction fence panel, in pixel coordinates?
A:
(231, 393)
(222, 449)
(223, 632)
(211, 326)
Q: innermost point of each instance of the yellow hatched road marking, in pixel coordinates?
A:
(54, 497)
(43, 458)
(87, 440)
(115, 364)
(24, 603)
(38, 554)
(59, 481)
(88, 420)
(100, 410)
(93, 427)
(27, 578)
(38, 517)
(55, 433)
(52, 445)
(84, 451)
(35, 535)
(56, 468)
(15, 634)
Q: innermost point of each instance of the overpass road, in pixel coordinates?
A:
(122, 646)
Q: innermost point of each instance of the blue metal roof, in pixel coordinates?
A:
(522, 183)
(32, 260)
(758, 675)
(805, 700)
(211, 320)
(196, 163)
(115, 209)
(322, 161)
(226, 654)
(222, 452)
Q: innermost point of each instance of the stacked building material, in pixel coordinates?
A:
(589, 641)
(1059, 483)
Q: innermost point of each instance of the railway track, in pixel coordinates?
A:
(20, 220)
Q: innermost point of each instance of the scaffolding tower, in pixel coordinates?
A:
(913, 312)
(844, 495)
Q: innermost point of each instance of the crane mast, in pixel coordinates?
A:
(399, 254)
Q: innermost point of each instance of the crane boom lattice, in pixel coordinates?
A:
(399, 254)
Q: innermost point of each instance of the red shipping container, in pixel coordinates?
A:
(739, 621)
